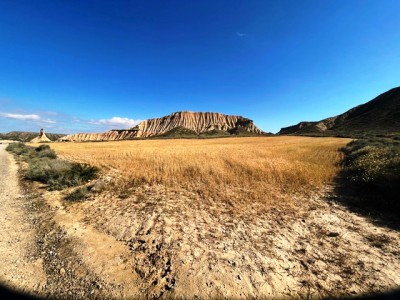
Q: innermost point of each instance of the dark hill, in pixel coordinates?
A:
(380, 116)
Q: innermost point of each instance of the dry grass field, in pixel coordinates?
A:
(215, 218)
(235, 169)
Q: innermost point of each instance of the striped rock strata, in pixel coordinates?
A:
(111, 135)
(199, 122)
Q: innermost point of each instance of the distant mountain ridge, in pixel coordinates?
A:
(24, 136)
(197, 122)
(380, 116)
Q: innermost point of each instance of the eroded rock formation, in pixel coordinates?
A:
(199, 122)
(42, 138)
(111, 135)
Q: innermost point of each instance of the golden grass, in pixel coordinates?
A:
(245, 169)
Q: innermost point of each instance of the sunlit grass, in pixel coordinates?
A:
(261, 169)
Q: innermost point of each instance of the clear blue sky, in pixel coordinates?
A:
(79, 65)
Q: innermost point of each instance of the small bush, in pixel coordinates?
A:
(19, 148)
(83, 172)
(42, 147)
(78, 195)
(28, 152)
(59, 173)
(374, 166)
(50, 153)
(45, 151)
(44, 167)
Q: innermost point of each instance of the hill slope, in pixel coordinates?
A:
(378, 116)
(195, 123)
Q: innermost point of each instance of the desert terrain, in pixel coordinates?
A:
(215, 218)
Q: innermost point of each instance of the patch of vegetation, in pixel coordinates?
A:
(78, 194)
(374, 166)
(46, 151)
(178, 132)
(44, 167)
(215, 133)
(241, 131)
(181, 132)
(59, 174)
(18, 148)
(28, 152)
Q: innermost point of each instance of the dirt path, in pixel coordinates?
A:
(18, 268)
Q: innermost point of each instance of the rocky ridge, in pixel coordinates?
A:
(199, 122)
(381, 115)
(111, 135)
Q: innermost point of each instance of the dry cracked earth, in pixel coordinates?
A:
(162, 243)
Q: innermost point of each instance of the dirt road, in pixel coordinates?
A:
(18, 268)
(48, 252)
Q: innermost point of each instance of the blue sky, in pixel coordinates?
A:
(76, 66)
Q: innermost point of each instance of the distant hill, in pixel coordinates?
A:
(184, 124)
(380, 116)
(23, 136)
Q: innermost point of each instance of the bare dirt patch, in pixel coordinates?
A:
(18, 269)
(183, 246)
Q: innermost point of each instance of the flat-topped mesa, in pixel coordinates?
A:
(199, 122)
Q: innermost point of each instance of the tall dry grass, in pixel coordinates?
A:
(262, 169)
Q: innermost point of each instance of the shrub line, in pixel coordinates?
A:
(45, 167)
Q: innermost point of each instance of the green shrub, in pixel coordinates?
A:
(84, 172)
(374, 165)
(44, 167)
(78, 194)
(50, 153)
(45, 151)
(42, 147)
(28, 152)
(19, 148)
(59, 173)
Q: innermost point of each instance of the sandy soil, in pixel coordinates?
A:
(184, 246)
(159, 242)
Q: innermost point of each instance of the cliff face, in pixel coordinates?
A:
(199, 122)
